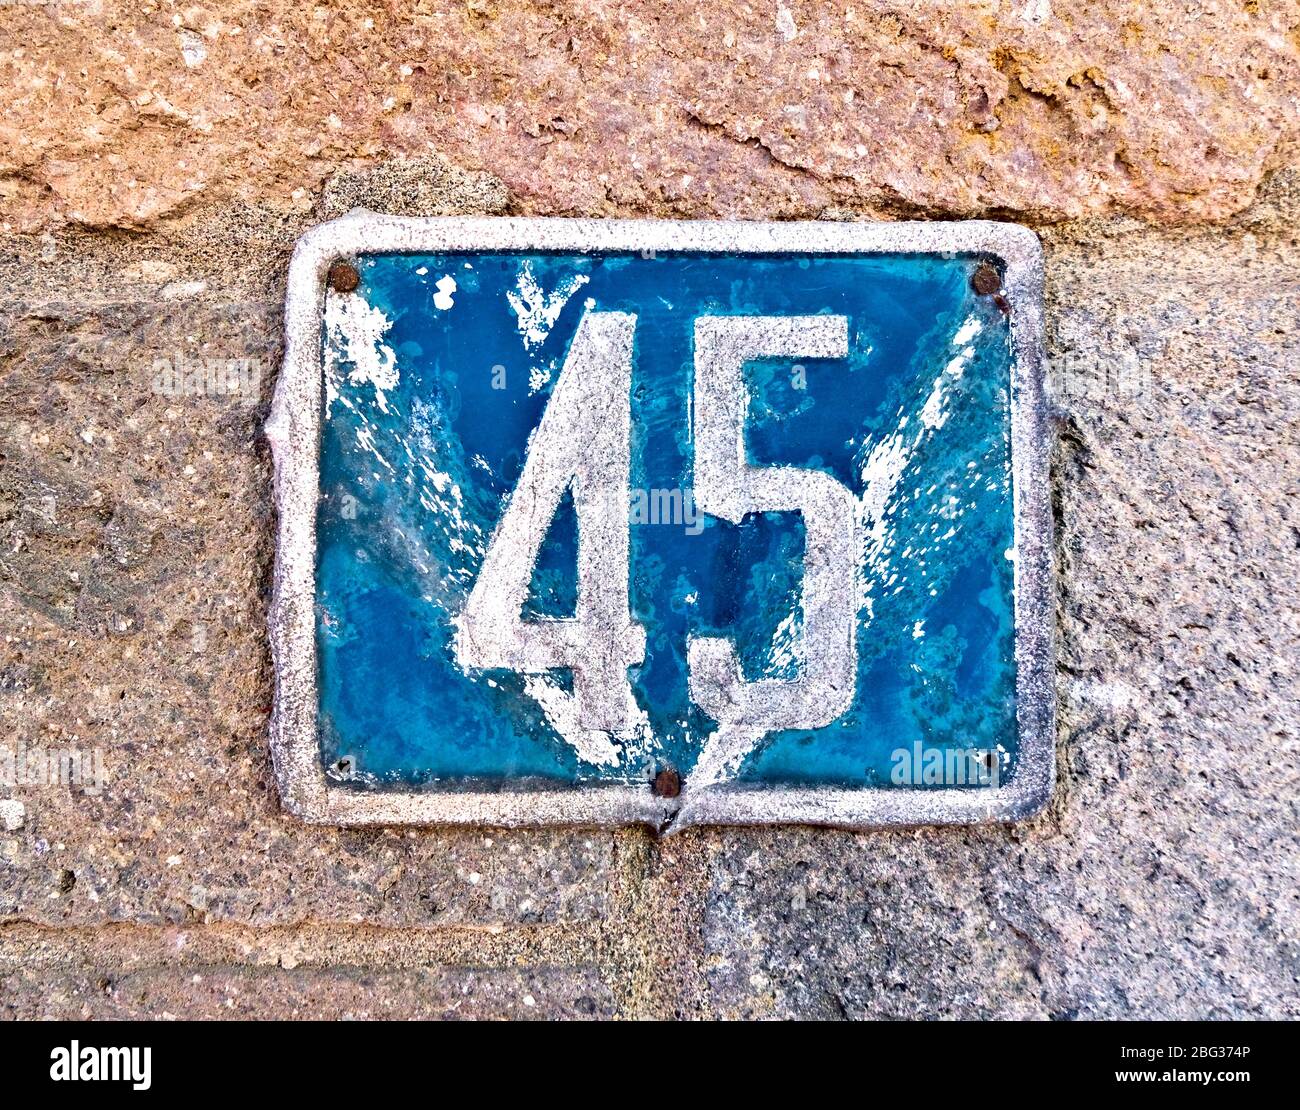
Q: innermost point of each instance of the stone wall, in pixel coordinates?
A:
(157, 163)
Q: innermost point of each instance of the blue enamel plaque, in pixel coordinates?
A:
(591, 521)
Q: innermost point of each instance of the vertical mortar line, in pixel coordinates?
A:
(1067, 441)
(652, 943)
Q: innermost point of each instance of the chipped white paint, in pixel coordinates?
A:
(725, 750)
(786, 652)
(595, 746)
(886, 461)
(539, 377)
(446, 286)
(968, 331)
(356, 329)
(537, 310)
(438, 492)
(561, 710)
(934, 413)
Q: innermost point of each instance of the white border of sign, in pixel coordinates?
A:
(293, 430)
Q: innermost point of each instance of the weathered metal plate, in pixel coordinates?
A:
(573, 513)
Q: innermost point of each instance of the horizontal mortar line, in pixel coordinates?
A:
(127, 946)
(151, 296)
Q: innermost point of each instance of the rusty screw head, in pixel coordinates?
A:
(985, 281)
(667, 783)
(343, 277)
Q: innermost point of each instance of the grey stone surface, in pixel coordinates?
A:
(135, 547)
(1164, 880)
(343, 993)
(425, 186)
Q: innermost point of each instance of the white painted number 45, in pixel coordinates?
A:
(582, 443)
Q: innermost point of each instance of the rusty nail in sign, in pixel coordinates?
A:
(667, 783)
(985, 280)
(343, 277)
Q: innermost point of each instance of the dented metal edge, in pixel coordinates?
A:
(293, 431)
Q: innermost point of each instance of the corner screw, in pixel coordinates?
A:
(667, 783)
(985, 281)
(343, 277)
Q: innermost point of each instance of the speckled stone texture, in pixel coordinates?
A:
(136, 527)
(1163, 881)
(122, 115)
